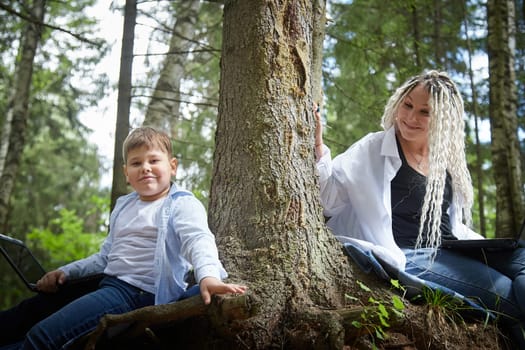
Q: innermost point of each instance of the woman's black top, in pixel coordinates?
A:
(408, 193)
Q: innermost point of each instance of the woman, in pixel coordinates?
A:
(400, 191)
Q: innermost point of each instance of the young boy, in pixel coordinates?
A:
(157, 233)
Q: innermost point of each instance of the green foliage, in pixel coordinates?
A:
(438, 300)
(374, 45)
(444, 307)
(377, 313)
(58, 170)
(64, 240)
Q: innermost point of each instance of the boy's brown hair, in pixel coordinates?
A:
(149, 137)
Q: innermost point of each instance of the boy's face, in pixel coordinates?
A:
(149, 171)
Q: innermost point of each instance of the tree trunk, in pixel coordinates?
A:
(119, 186)
(14, 128)
(164, 108)
(416, 39)
(478, 167)
(264, 205)
(506, 162)
(437, 21)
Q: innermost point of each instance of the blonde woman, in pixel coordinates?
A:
(400, 191)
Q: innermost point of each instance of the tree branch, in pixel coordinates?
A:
(32, 20)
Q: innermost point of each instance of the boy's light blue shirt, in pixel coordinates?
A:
(184, 240)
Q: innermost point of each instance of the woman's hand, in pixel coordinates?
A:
(211, 285)
(50, 282)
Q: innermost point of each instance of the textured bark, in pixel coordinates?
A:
(14, 128)
(318, 33)
(264, 206)
(164, 108)
(506, 162)
(119, 187)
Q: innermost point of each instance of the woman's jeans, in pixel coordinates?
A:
(82, 315)
(496, 279)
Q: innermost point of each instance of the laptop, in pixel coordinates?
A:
(22, 260)
(489, 243)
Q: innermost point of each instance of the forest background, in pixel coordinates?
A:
(59, 204)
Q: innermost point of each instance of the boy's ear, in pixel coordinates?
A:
(125, 169)
(174, 163)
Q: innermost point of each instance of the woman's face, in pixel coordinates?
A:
(413, 115)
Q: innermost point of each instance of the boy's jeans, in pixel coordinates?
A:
(82, 315)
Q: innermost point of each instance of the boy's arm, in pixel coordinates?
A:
(93, 264)
(197, 242)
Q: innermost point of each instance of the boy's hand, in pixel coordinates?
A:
(50, 282)
(211, 285)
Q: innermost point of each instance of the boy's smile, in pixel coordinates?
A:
(149, 172)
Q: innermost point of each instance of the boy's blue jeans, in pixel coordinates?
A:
(82, 315)
(73, 319)
(496, 279)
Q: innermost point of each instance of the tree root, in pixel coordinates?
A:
(222, 312)
(222, 309)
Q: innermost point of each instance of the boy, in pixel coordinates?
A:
(156, 234)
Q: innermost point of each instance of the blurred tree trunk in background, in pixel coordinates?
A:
(13, 136)
(478, 164)
(119, 186)
(163, 111)
(503, 115)
(181, 90)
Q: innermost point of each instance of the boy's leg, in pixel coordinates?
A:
(16, 322)
(82, 315)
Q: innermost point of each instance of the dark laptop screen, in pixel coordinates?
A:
(21, 259)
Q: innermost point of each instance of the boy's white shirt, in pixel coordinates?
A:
(355, 193)
(183, 240)
(133, 250)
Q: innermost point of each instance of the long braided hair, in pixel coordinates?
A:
(446, 142)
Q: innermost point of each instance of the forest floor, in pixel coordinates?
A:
(437, 329)
(419, 330)
(438, 324)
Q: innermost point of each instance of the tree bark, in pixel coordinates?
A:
(15, 124)
(264, 204)
(119, 186)
(506, 161)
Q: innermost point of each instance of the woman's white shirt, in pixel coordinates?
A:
(356, 195)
